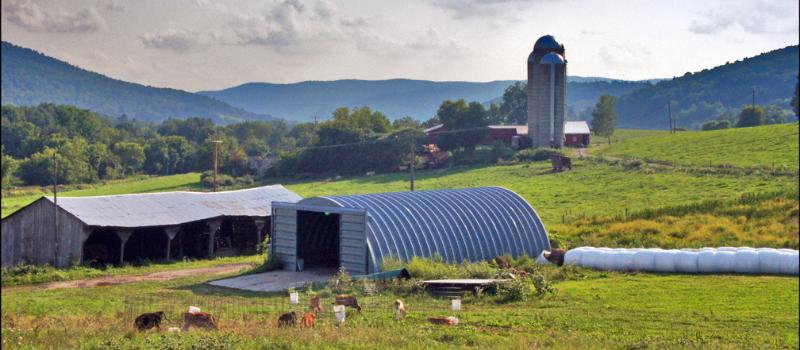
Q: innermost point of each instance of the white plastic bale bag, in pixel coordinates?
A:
(605, 260)
(790, 262)
(573, 257)
(644, 260)
(706, 261)
(769, 261)
(623, 260)
(725, 261)
(746, 261)
(589, 258)
(665, 261)
(686, 261)
(541, 259)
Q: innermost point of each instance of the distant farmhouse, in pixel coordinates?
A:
(153, 226)
(547, 90)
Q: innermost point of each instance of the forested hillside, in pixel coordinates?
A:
(30, 78)
(719, 92)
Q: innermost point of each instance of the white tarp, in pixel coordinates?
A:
(743, 260)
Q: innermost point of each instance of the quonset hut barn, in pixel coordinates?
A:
(154, 226)
(356, 232)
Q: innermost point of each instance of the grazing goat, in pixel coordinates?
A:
(203, 320)
(308, 320)
(288, 319)
(450, 321)
(399, 310)
(347, 300)
(315, 304)
(149, 320)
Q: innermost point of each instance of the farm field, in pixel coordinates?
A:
(588, 309)
(765, 146)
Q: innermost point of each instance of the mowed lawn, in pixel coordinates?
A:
(598, 311)
(764, 146)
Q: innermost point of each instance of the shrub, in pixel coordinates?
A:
(535, 154)
(500, 151)
(511, 291)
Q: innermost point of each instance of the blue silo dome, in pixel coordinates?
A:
(547, 42)
(552, 58)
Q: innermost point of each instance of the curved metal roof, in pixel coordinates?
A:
(552, 58)
(472, 224)
(173, 208)
(547, 42)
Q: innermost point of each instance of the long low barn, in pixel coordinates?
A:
(357, 232)
(154, 226)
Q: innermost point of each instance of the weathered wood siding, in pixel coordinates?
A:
(29, 235)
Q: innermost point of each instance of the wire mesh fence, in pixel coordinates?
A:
(376, 310)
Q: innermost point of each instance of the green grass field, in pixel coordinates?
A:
(680, 206)
(765, 146)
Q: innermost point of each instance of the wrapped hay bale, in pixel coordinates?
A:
(769, 261)
(746, 261)
(665, 261)
(686, 261)
(623, 260)
(790, 262)
(644, 260)
(725, 261)
(706, 261)
(573, 256)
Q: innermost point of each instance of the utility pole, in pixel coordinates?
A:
(669, 110)
(413, 161)
(216, 151)
(55, 206)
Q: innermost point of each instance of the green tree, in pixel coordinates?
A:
(131, 156)
(347, 126)
(604, 117)
(514, 107)
(406, 123)
(716, 124)
(751, 116)
(169, 155)
(196, 130)
(9, 167)
(456, 116)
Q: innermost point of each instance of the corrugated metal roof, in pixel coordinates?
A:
(576, 127)
(173, 208)
(521, 129)
(472, 224)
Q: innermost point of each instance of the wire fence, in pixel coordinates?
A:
(232, 310)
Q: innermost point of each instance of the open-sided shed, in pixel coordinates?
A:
(118, 228)
(356, 232)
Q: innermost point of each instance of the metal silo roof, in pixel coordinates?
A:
(173, 208)
(552, 58)
(547, 42)
(472, 224)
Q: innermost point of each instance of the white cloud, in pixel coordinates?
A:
(29, 15)
(176, 40)
(756, 18)
(461, 9)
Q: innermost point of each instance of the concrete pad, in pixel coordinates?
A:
(275, 281)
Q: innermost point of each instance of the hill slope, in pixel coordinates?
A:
(30, 78)
(396, 97)
(712, 92)
(763, 146)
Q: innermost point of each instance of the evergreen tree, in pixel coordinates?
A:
(604, 117)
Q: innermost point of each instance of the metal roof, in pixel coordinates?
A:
(577, 127)
(472, 224)
(547, 42)
(173, 208)
(552, 58)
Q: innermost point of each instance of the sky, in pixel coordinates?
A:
(209, 45)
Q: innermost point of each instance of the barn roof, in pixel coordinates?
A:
(472, 224)
(173, 208)
(576, 127)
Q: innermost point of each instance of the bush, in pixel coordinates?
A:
(514, 290)
(500, 151)
(536, 154)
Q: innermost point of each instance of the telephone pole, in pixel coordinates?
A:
(216, 151)
(413, 161)
(55, 206)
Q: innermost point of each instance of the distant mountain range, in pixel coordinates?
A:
(395, 97)
(30, 78)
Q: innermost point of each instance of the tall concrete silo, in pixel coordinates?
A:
(547, 90)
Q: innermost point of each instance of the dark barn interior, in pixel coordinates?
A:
(318, 239)
(101, 248)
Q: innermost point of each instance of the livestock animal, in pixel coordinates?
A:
(399, 310)
(560, 162)
(347, 300)
(149, 320)
(450, 320)
(315, 304)
(308, 320)
(556, 256)
(203, 320)
(288, 319)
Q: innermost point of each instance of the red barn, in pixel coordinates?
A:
(576, 134)
(496, 133)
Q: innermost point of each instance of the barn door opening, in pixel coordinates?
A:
(101, 248)
(317, 239)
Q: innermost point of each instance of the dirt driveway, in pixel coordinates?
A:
(274, 281)
(153, 276)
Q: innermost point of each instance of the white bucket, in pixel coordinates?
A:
(338, 311)
(294, 297)
(194, 309)
(455, 304)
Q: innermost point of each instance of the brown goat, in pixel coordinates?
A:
(399, 310)
(315, 304)
(308, 320)
(288, 319)
(450, 321)
(203, 320)
(149, 320)
(347, 300)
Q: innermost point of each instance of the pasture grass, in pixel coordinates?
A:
(769, 146)
(588, 309)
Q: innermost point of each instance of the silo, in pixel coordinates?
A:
(547, 78)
